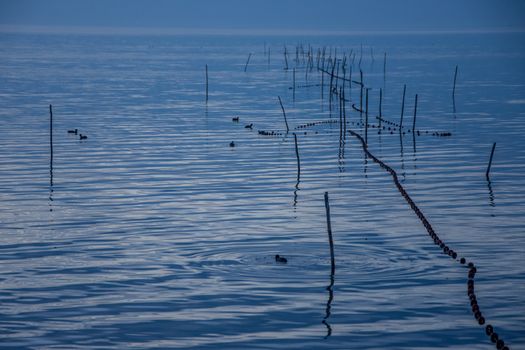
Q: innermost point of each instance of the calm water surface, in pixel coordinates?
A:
(154, 233)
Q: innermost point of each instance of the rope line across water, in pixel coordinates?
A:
(489, 329)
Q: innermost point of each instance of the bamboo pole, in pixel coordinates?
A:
(490, 160)
(298, 159)
(51, 133)
(206, 84)
(366, 118)
(247, 61)
(361, 94)
(294, 84)
(402, 107)
(414, 120)
(284, 114)
(454, 86)
(380, 106)
(330, 238)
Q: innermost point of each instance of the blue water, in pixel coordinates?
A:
(154, 233)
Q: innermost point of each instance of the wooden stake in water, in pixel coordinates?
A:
(298, 159)
(206, 83)
(51, 141)
(294, 84)
(414, 121)
(380, 106)
(402, 108)
(284, 114)
(330, 238)
(454, 86)
(361, 93)
(490, 160)
(366, 118)
(247, 61)
(454, 91)
(285, 58)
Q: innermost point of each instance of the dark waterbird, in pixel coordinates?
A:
(235, 119)
(232, 144)
(83, 137)
(280, 259)
(249, 126)
(75, 131)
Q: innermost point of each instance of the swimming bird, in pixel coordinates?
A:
(73, 131)
(83, 137)
(249, 126)
(235, 119)
(232, 144)
(280, 259)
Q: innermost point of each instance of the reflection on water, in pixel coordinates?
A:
(161, 235)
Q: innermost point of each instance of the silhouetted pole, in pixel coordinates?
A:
(330, 238)
(402, 107)
(51, 133)
(454, 90)
(361, 93)
(366, 118)
(380, 106)
(294, 84)
(247, 61)
(490, 160)
(414, 121)
(284, 114)
(206, 83)
(454, 86)
(298, 159)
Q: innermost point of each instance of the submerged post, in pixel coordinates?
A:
(414, 121)
(284, 114)
(298, 159)
(247, 61)
(51, 137)
(330, 238)
(294, 84)
(490, 160)
(206, 83)
(454, 86)
(361, 93)
(366, 118)
(380, 106)
(402, 108)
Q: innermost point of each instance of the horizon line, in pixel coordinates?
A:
(166, 31)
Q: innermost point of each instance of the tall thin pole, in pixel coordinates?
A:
(330, 238)
(247, 61)
(366, 118)
(206, 84)
(380, 106)
(294, 84)
(298, 159)
(490, 160)
(454, 86)
(402, 107)
(284, 114)
(51, 133)
(414, 120)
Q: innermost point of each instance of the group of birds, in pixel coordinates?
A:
(248, 126)
(75, 132)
